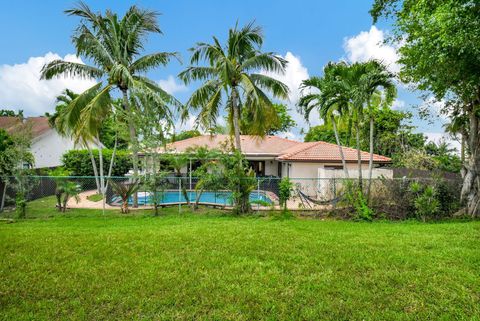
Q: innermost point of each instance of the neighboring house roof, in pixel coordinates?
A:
(251, 145)
(326, 152)
(36, 125)
(281, 148)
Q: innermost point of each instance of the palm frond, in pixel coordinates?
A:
(148, 62)
(265, 61)
(58, 68)
(193, 73)
(276, 87)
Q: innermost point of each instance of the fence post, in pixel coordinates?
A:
(190, 173)
(179, 194)
(258, 193)
(334, 193)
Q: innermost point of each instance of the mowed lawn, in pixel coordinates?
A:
(211, 265)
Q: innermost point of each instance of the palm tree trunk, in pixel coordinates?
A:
(94, 165)
(370, 161)
(359, 157)
(102, 176)
(340, 149)
(133, 141)
(236, 120)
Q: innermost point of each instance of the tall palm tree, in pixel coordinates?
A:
(376, 76)
(329, 97)
(113, 45)
(235, 74)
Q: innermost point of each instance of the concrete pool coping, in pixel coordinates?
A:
(292, 204)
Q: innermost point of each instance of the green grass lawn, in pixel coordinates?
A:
(210, 265)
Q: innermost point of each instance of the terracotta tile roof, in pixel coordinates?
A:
(322, 151)
(251, 145)
(37, 125)
(281, 148)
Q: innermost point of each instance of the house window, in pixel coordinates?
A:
(333, 167)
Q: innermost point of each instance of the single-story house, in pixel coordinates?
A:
(314, 166)
(47, 145)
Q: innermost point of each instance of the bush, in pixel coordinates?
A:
(78, 162)
(354, 198)
(425, 202)
(285, 189)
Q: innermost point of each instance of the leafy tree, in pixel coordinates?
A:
(11, 113)
(439, 53)
(232, 75)
(185, 135)
(325, 133)
(77, 162)
(114, 45)
(446, 157)
(282, 121)
(15, 159)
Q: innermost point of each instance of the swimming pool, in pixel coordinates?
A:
(223, 198)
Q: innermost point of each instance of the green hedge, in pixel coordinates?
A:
(79, 164)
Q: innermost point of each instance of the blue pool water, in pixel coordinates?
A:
(224, 198)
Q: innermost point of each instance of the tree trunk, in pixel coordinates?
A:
(359, 157)
(94, 165)
(471, 174)
(102, 176)
(197, 200)
(236, 121)
(184, 187)
(133, 141)
(370, 161)
(4, 193)
(340, 149)
(65, 201)
(59, 201)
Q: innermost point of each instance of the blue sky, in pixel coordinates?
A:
(310, 33)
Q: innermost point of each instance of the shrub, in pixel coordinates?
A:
(240, 179)
(78, 162)
(285, 189)
(425, 202)
(354, 197)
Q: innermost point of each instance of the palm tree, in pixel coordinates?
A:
(329, 97)
(235, 74)
(373, 75)
(125, 192)
(114, 46)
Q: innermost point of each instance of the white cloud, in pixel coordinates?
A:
(21, 87)
(398, 104)
(434, 107)
(438, 137)
(171, 86)
(288, 135)
(295, 73)
(370, 45)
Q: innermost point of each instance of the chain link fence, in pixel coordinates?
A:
(394, 197)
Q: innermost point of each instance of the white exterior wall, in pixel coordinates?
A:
(49, 148)
(313, 178)
(271, 168)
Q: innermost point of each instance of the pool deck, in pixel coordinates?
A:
(294, 203)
